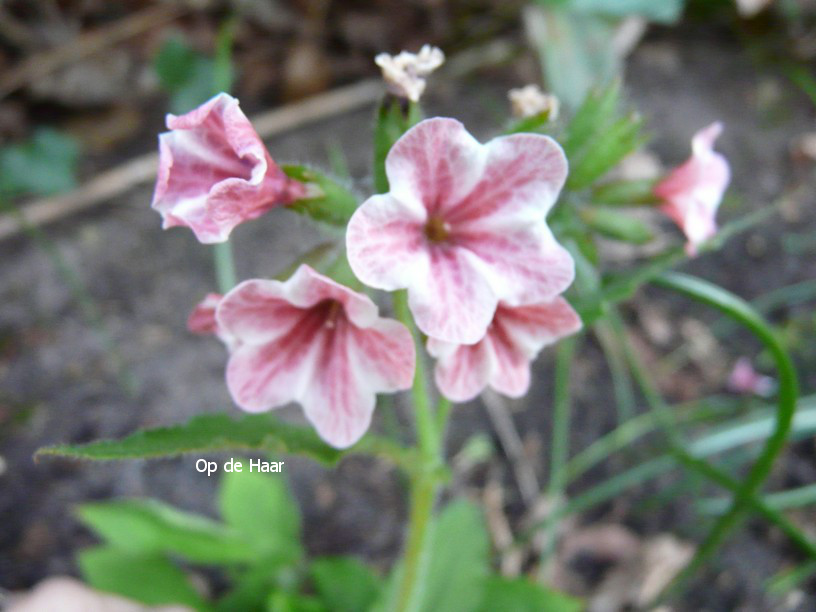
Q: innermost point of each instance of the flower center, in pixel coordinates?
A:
(334, 310)
(437, 229)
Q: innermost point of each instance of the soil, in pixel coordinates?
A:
(62, 381)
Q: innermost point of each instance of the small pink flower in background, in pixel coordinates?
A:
(463, 227)
(745, 379)
(692, 192)
(313, 341)
(215, 173)
(502, 358)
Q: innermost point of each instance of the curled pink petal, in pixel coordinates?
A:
(316, 342)
(745, 379)
(463, 227)
(202, 318)
(502, 358)
(692, 192)
(215, 173)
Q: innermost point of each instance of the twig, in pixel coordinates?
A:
(117, 181)
(39, 65)
(513, 447)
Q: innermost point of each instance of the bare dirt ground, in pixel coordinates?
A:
(61, 384)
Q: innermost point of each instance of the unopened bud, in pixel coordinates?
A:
(530, 101)
(405, 74)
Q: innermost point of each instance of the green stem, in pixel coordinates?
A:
(425, 482)
(225, 276)
(560, 437)
(745, 494)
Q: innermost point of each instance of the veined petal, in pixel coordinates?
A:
(530, 328)
(523, 265)
(385, 243)
(269, 375)
(214, 172)
(523, 175)
(258, 312)
(465, 372)
(435, 163)
(456, 302)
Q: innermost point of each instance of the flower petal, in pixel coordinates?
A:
(464, 372)
(523, 175)
(214, 172)
(385, 244)
(456, 302)
(434, 164)
(523, 264)
(202, 318)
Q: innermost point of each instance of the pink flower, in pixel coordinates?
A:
(215, 173)
(316, 342)
(502, 358)
(202, 319)
(463, 227)
(692, 192)
(745, 379)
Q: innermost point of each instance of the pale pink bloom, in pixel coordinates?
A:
(692, 192)
(215, 173)
(63, 594)
(502, 358)
(316, 342)
(463, 227)
(745, 379)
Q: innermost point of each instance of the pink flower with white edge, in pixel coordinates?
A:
(692, 192)
(463, 227)
(316, 342)
(502, 358)
(215, 173)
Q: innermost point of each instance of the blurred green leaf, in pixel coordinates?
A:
(344, 583)
(575, 51)
(44, 165)
(174, 63)
(625, 193)
(596, 112)
(206, 433)
(260, 507)
(333, 205)
(458, 561)
(282, 601)
(149, 578)
(661, 11)
(616, 225)
(148, 526)
(521, 595)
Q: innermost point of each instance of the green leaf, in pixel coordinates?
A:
(575, 51)
(206, 433)
(394, 118)
(625, 193)
(44, 165)
(617, 225)
(197, 89)
(344, 583)
(149, 578)
(609, 146)
(459, 560)
(260, 507)
(597, 110)
(282, 601)
(660, 11)
(174, 63)
(148, 526)
(521, 595)
(334, 204)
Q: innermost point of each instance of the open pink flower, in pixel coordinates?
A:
(692, 192)
(745, 379)
(313, 341)
(502, 358)
(463, 227)
(215, 173)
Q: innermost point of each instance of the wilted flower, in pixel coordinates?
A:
(692, 192)
(502, 358)
(313, 341)
(530, 101)
(463, 227)
(745, 379)
(215, 173)
(405, 73)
